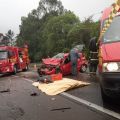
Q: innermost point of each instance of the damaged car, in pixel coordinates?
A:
(61, 63)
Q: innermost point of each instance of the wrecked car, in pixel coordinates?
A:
(61, 63)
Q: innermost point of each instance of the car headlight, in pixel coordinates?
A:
(110, 67)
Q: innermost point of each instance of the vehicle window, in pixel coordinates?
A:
(60, 55)
(113, 33)
(3, 55)
(67, 60)
(10, 53)
(20, 54)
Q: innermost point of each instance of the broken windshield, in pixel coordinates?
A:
(3, 55)
(60, 55)
(113, 33)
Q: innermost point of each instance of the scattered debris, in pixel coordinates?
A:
(62, 109)
(45, 79)
(3, 91)
(34, 94)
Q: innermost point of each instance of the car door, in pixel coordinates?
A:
(66, 66)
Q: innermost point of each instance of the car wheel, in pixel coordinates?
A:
(83, 68)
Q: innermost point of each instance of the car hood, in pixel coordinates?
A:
(111, 51)
(51, 61)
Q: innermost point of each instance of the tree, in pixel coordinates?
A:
(56, 30)
(31, 28)
(49, 6)
(50, 29)
(9, 36)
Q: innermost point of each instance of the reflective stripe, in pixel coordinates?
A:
(115, 8)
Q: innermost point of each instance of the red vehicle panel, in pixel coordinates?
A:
(13, 59)
(61, 62)
(109, 57)
(110, 52)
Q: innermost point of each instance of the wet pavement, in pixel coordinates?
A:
(22, 101)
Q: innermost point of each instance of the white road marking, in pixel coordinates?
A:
(87, 103)
(92, 105)
(28, 80)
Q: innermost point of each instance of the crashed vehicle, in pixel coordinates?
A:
(61, 63)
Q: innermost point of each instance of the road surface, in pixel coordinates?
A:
(19, 100)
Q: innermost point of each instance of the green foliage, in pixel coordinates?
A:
(56, 30)
(51, 29)
(8, 39)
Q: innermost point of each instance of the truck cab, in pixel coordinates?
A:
(13, 59)
(109, 57)
(108, 69)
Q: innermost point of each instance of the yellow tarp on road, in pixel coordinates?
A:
(60, 86)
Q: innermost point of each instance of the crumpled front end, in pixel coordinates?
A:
(47, 69)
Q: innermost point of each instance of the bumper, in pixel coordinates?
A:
(47, 71)
(110, 82)
(7, 69)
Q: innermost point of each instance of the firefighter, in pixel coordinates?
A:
(92, 44)
(93, 55)
(74, 58)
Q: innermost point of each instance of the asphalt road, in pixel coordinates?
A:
(16, 102)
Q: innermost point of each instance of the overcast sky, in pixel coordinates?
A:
(12, 10)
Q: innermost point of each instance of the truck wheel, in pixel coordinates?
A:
(105, 97)
(83, 68)
(14, 69)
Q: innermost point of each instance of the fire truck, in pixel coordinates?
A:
(108, 69)
(13, 59)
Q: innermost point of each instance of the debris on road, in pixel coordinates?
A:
(4, 91)
(45, 79)
(34, 94)
(59, 109)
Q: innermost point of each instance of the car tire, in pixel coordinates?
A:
(83, 68)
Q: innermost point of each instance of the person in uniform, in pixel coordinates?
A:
(74, 60)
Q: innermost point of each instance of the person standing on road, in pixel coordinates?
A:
(93, 55)
(74, 60)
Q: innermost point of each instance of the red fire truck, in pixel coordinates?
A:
(13, 59)
(109, 57)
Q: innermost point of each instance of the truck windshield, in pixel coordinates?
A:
(3, 55)
(113, 33)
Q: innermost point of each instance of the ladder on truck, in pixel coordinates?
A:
(93, 62)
